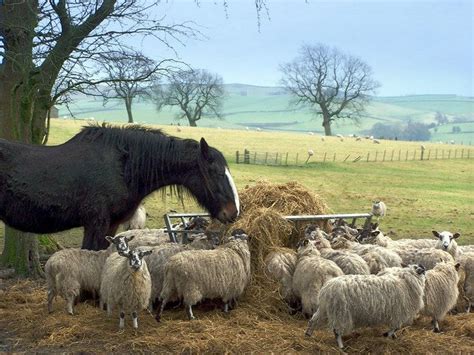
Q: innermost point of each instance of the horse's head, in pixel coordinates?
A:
(214, 187)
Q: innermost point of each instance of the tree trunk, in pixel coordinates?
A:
(128, 105)
(17, 98)
(327, 124)
(192, 123)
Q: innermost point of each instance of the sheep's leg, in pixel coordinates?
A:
(122, 320)
(160, 311)
(435, 325)
(226, 307)
(135, 320)
(468, 310)
(189, 312)
(109, 310)
(391, 333)
(312, 324)
(338, 339)
(51, 296)
(70, 304)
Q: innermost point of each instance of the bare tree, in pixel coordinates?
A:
(334, 84)
(129, 75)
(195, 92)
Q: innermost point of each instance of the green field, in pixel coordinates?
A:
(420, 195)
(269, 109)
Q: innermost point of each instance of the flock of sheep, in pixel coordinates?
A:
(354, 278)
(343, 280)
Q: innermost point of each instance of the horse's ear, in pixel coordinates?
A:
(204, 148)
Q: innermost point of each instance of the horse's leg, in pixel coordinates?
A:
(94, 236)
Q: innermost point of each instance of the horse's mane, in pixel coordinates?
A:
(146, 152)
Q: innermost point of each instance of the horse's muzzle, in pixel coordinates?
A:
(228, 214)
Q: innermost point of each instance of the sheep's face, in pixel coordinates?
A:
(135, 258)
(368, 237)
(445, 238)
(306, 246)
(419, 269)
(310, 228)
(239, 234)
(120, 243)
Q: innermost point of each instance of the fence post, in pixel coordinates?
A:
(469, 151)
(399, 154)
(384, 152)
(324, 159)
(296, 158)
(368, 155)
(392, 155)
(255, 158)
(376, 154)
(276, 159)
(436, 157)
(449, 154)
(347, 157)
(286, 159)
(406, 156)
(455, 153)
(334, 158)
(429, 152)
(462, 153)
(266, 158)
(442, 155)
(237, 156)
(421, 153)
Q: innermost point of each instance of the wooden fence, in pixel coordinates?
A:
(285, 159)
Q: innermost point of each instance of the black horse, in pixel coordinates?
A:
(98, 178)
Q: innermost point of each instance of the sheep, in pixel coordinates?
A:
(71, 270)
(349, 263)
(126, 283)
(376, 257)
(161, 254)
(138, 219)
(441, 292)
(465, 249)
(352, 301)
(379, 209)
(446, 241)
(280, 266)
(376, 141)
(311, 273)
(466, 261)
(427, 257)
(196, 274)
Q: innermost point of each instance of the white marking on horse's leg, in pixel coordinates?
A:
(122, 320)
(234, 190)
(135, 319)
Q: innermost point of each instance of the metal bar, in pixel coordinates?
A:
(169, 228)
(327, 216)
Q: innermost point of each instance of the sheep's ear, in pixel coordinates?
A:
(375, 225)
(129, 238)
(109, 239)
(375, 233)
(436, 234)
(456, 235)
(403, 265)
(145, 253)
(420, 269)
(305, 242)
(457, 266)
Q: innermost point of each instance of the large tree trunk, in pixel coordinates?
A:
(327, 124)
(128, 105)
(17, 98)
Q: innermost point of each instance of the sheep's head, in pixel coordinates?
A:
(120, 243)
(239, 234)
(320, 239)
(368, 236)
(135, 258)
(306, 246)
(445, 238)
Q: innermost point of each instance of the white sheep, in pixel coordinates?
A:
(446, 242)
(441, 292)
(379, 209)
(138, 220)
(311, 273)
(426, 257)
(280, 267)
(350, 301)
(71, 270)
(350, 263)
(466, 261)
(196, 274)
(376, 141)
(126, 284)
(376, 257)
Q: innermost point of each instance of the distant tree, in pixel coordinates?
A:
(456, 129)
(336, 85)
(128, 76)
(195, 92)
(386, 130)
(441, 118)
(415, 131)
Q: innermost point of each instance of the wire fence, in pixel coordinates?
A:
(285, 159)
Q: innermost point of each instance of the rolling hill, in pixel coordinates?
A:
(269, 108)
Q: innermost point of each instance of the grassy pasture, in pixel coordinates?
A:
(420, 195)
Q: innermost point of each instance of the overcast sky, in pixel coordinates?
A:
(414, 47)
